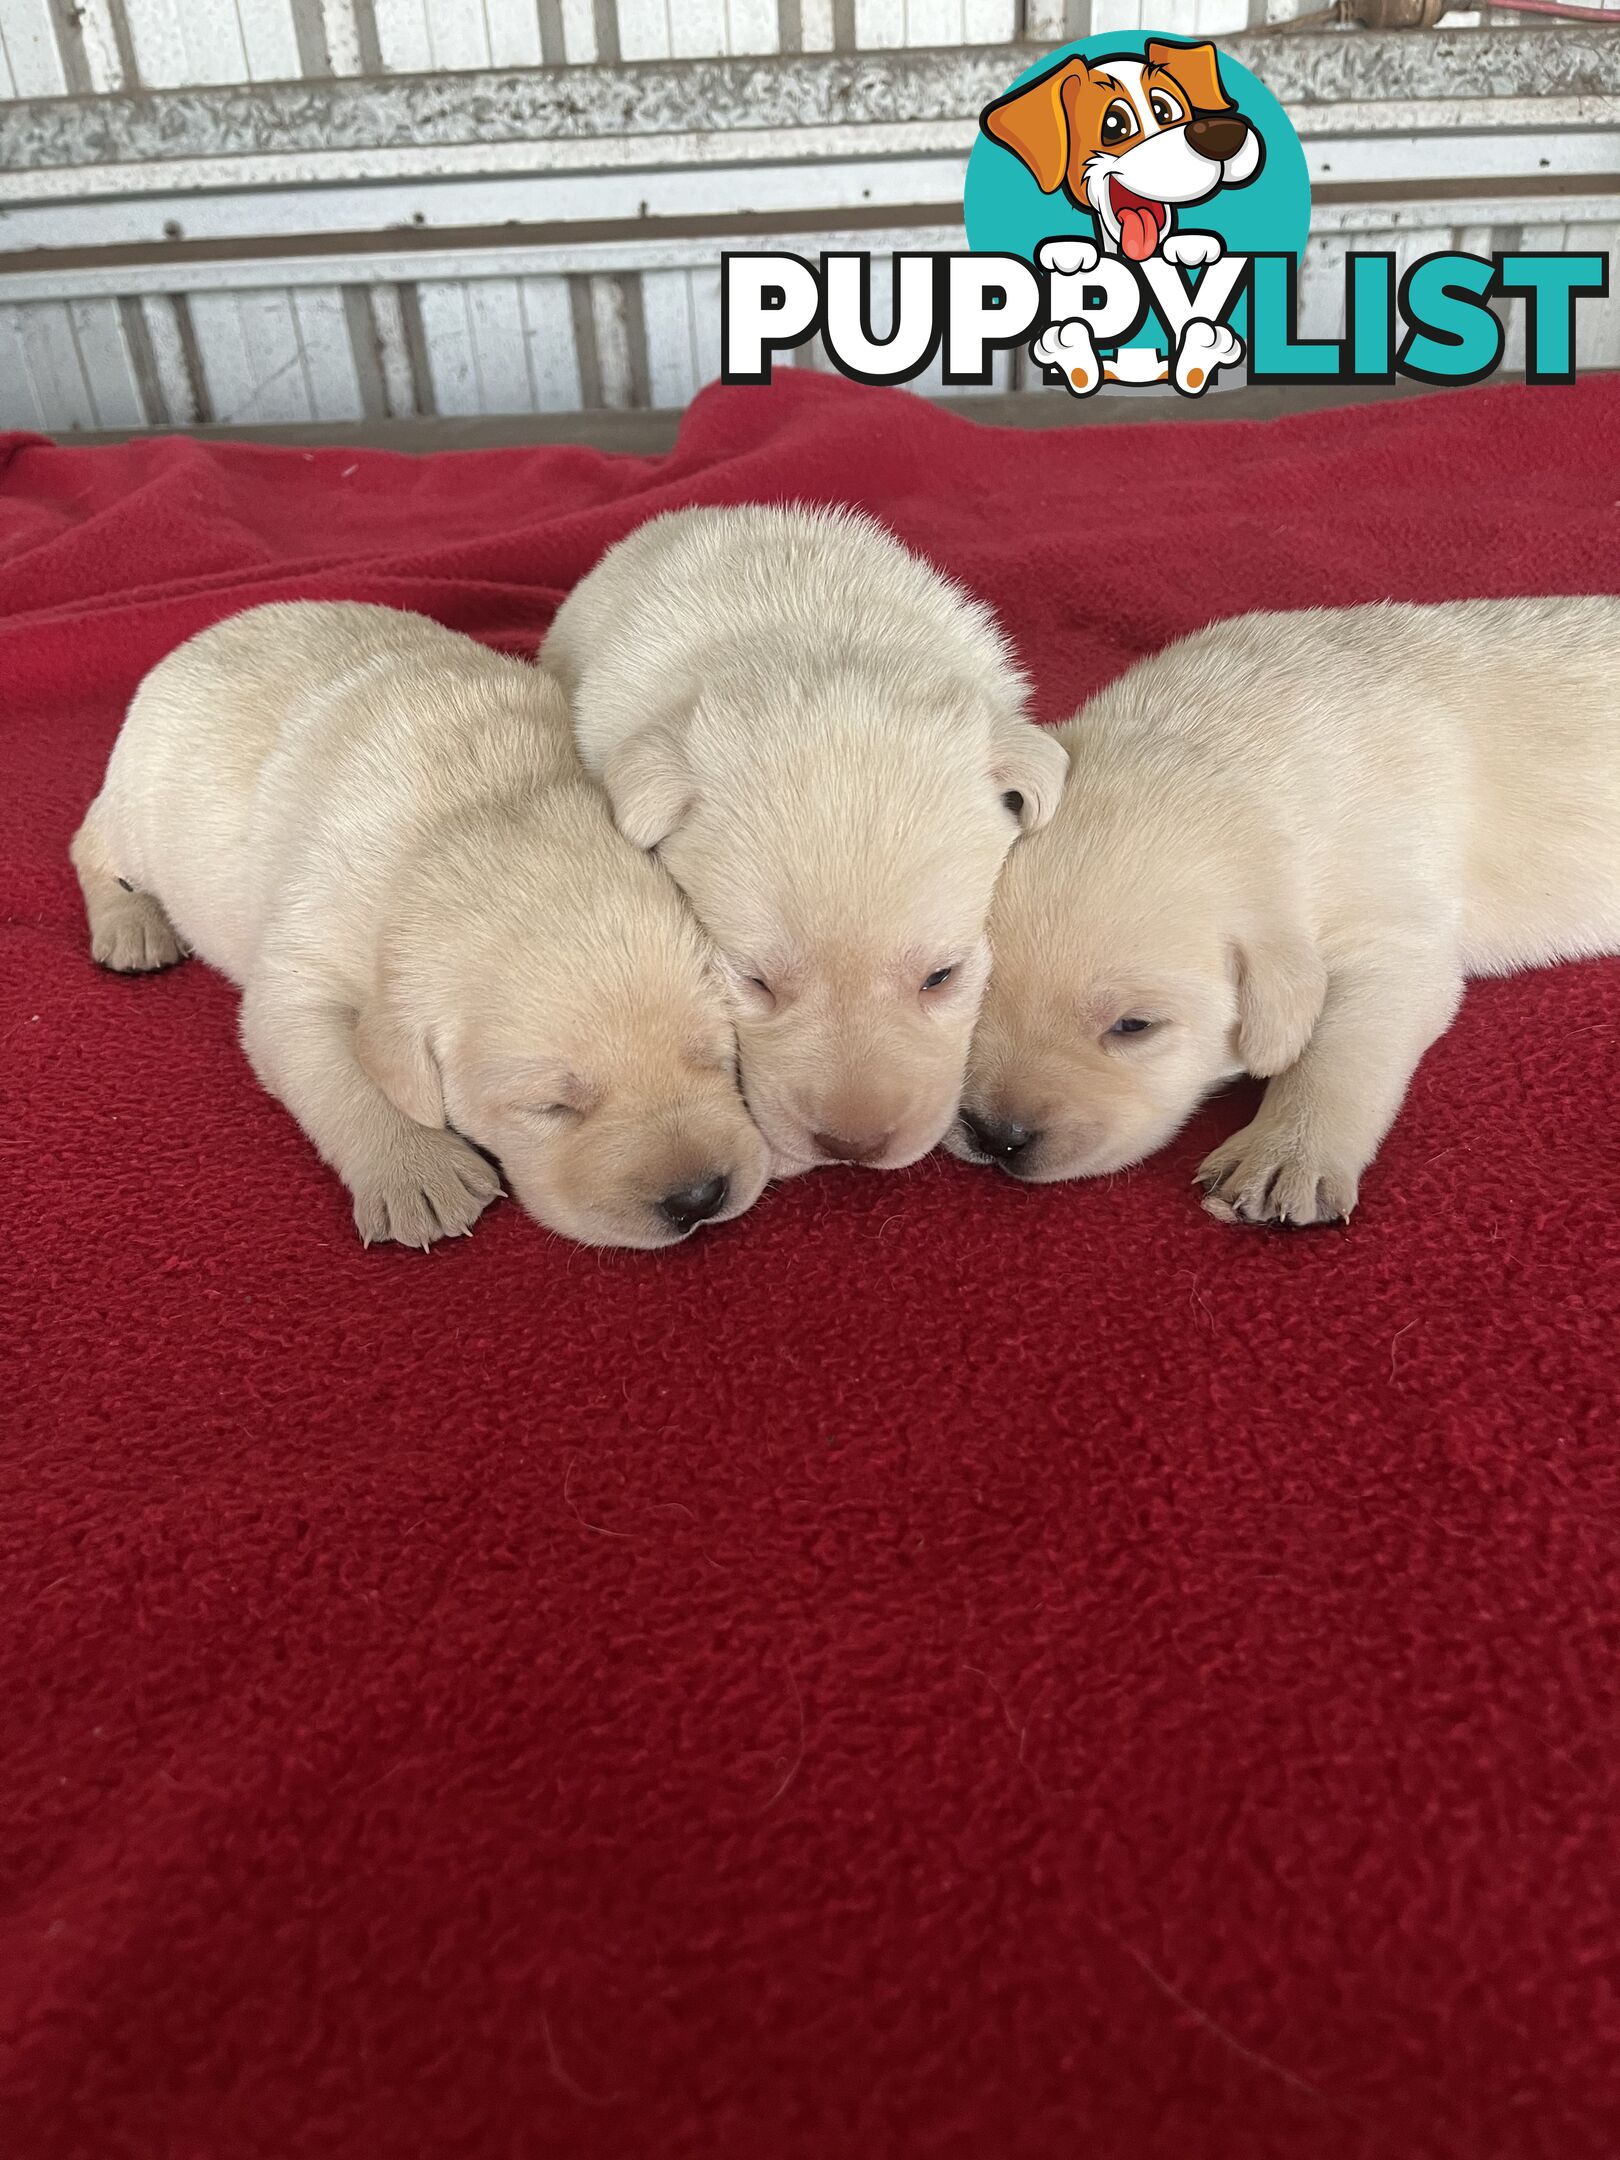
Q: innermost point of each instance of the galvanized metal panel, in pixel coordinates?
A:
(512, 33)
(345, 40)
(20, 402)
(816, 33)
(644, 31)
(500, 349)
(753, 26)
(174, 43)
(548, 332)
(596, 198)
(879, 24)
(447, 327)
(629, 318)
(50, 357)
(647, 250)
(276, 355)
(620, 349)
(404, 36)
(109, 369)
(796, 91)
(388, 338)
(68, 364)
(32, 62)
(321, 324)
(165, 319)
(269, 39)
(579, 32)
(672, 359)
(931, 22)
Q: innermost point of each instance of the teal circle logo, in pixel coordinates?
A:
(1146, 149)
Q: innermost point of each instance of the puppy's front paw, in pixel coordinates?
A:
(1190, 250)
(1205, 347)
(1067, 258)
(1262, 1175)
(428, 1185)
(131, 935)
(1070, 347)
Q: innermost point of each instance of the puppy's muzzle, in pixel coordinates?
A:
(1217, 136)
(998, 1140)
(842, 1147)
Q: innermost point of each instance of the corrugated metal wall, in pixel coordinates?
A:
(294, 210)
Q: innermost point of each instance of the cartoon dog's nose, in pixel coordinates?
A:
(694, 1204)
(1217, 135)
(840, 1147)
(997, 1138)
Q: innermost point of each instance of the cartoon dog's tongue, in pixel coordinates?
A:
(1140, 222)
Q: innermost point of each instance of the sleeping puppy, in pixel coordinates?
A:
(825, 742)
(381, 831)
(1284, 844)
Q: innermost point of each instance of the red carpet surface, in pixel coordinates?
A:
(933, 1670)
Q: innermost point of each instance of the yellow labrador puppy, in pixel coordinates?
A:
(381, 832)
(1284, 844)
(825, 742)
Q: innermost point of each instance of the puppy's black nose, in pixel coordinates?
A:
(694, 1203)
(1217, 135)
(1001, 1141)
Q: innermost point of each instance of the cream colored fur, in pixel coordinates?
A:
(821, 736)
(381, 832)
(1286, 842)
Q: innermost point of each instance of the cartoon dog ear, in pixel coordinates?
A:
(1281, 984)
(1033, 123)
(649, 785)
(1198, 70)
(1028, 767)
(398, 1058)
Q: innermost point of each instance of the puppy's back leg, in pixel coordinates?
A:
(411, 1183)
(129, 931)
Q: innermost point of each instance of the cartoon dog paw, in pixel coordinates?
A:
(1067, 258)
(1071, 347)
(1192, 250)
(1204, 347)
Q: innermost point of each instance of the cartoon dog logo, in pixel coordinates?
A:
(1134, 139)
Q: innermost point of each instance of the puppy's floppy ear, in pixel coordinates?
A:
(1031, 765)
(1033, 123)
(397, 1057)
(1281, 983)
(1198, 70)
(649, 785)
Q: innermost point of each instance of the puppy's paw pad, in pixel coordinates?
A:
(430, 1185)
(1068, 347)
(1253, 1179)
(1191, 250)
(1205, 347)
(132, 936)
(1067, 258)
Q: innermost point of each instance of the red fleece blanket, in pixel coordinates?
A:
(933, 1669)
